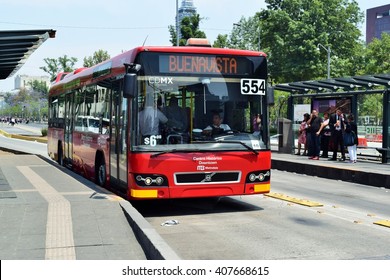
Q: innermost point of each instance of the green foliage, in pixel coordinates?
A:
(39, 87)
(61, 64)
(246, 34)
(221, 41)
(189, 28)
(377, 56)
(292, 30)
(44, 131)
(28, 104)
(96, 58)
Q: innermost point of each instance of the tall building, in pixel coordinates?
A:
(187, 9)
(23, 81)
(377, 22)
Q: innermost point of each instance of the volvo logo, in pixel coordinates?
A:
(208, 177)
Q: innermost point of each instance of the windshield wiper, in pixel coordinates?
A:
(231, 142)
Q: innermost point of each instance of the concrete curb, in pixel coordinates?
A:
(154, 246)
(22, 137)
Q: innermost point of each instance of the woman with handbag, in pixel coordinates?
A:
(351, 139)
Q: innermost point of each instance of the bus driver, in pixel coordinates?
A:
(217, 127)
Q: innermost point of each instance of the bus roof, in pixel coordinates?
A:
(115, 66)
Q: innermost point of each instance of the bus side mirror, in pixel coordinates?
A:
(130, 88)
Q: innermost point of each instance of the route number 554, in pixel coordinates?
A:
(253, 86)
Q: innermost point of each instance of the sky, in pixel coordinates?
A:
(84, 27)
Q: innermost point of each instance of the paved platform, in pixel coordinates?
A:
(46, 212)
(366, 172)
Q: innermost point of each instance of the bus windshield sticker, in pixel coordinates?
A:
(252, 87)
(152, 140)
(255, 144)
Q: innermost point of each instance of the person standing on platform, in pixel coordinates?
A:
(325, 134)
(351, 128)
(302, 135)
(314, 123)
(337, 126)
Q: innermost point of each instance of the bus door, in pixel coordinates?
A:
(69, 120)
(118, 139)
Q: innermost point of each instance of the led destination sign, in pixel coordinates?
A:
(212, 65)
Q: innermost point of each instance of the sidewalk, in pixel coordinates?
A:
(47, 214)
(50, 212)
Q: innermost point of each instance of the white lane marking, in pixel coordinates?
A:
(59, 229)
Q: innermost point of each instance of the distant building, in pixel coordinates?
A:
(2, 101)
(377, 22)
(24, 81)
(187, 9)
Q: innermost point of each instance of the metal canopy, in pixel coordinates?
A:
(17, 45)
(336, 85)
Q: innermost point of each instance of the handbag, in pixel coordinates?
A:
(349, 138)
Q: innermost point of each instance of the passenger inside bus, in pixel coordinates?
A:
(150, 117)
(177, 116)
(217, 127)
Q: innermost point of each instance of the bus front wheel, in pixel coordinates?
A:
(60, 155)
(101, 172)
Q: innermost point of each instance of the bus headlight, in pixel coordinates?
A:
(148, 181)
(151, 180)
(258, 176)
(159, 180)
(252, 177)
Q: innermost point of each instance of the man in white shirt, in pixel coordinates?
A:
(217, 127)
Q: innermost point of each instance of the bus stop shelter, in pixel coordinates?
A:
(17, 45)
(329, 94)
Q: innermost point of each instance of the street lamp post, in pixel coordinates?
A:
(328, 51)
(177, 23)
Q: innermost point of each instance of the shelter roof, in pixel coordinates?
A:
(335, 85)
(17, 45)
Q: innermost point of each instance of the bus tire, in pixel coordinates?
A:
(101, 171)
(60, 154)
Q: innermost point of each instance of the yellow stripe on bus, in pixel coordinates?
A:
(262, 188)
(144, 193)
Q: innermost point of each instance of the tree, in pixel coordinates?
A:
(246, 34)
(377, 56)
(189, 28)
(291, 31)
(39, 87)
(222, 41)
(96, 58)
(55, 66)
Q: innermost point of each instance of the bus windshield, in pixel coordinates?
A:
(215, 104)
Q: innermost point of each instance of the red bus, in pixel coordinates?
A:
(145, 123)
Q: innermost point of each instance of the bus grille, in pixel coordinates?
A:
(207, 178)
